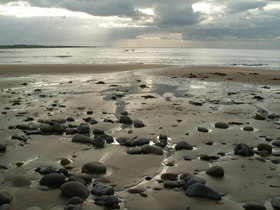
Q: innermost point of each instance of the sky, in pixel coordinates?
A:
(248, 24)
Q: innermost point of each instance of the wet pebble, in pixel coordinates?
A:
(75, 201)
(46, 129)
(217, 171)
(276, 202)
(2, 147)
(169, 176)
(58, 128)
(259, 116)
(126, 120)
(70, 131)
(101, 189)
(46, 170)
(202, 129)
(190, 180)
(183, 145)
(171, 184)
(201, 190)
(98, 142)
(221, 125)
(243, 149)
(70, 119)
(83, 129)
(253, 206)
(134, 151)
(77, 179)
(5, 197)
(53, 180)
(138, 124)
(5, 207)
(106, 200)
(23, 127)
(81, 139)
(84, 176)
(94, 168)
(73, 189)
(136, 190)
(98, 131)
(276, 143)
(263, 146)
(141, 141)
(147, 149)
(248, 128)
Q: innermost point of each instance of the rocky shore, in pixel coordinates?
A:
(139, 137)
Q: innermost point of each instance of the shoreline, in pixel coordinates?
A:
(174, 104)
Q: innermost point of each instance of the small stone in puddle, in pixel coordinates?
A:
(221, 125)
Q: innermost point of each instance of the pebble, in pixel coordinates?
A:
(3, 147)
(169, 176)
(202, 129)
(83, 129)
(276, 143)
(58, 128)
(98, 142)
(190, 180)
(5, 197)
(106, 200)
(184, 175)
(23, 127)
(243, 149)
(98, 131)
(64, 161)
(259, 116)
(163, 137)
(77, 179)
(171, 184)
(46, 170)
(53, 180)
(253, 206)
(70, 119)
(46, 129)
(81, 139)
(100, 189)
(276, 202)
(19, 180)
(248, 128)
(221, 125)
(134, 151)
(70, 131)
(216, 171)
(94, 168)
(263, 146)
(126, 120)
(147, 149)
(136, 190)
(84, 176)
(5, 207)
(183, 145)
(201, 190)
(138, 124)
(73, 189)
(75, 200)
(142, 141)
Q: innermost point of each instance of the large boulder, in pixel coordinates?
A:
(74, 189)
(94, 168)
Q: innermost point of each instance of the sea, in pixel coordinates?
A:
(261, 59)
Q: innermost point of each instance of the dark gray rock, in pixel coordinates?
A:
(190, 180)
(162, 143)
(70, 119)
(84, 176)
(100, 189)
(81, 139)
(71, 207)
(201, 190)
(2, 147)
(138, 124)
(183, 145)
(59, 120)
(259, 116)
(253, 206)
(171, 184)
(243, 149)
(216, 171)
(94, 168)
(58, 128)
(276, 202)
(125, 120)
(83, 129)
(202, 129)
(75, 201)
(163, 137)
(98, 142)
(142, 141)
(108, 139)
(124, 113)
(98, 131)
(19, 180)
(276, 143)
(147, 149)
(221, 125)
(46, 128)
(23, 127)
(106, 200)
(64, 161)
(76, 179)
(74, 189)
(129, 143)
(5, 207)
(169, 176)
(53, 180)
(5, 197)
(134, 151)
(248, 128)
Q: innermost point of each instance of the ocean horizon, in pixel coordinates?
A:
(251, 58)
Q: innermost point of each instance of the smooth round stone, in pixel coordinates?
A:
(98, 142)
(147, 149)
(184, 175)
(183, 145)
(276, 143)
(169, 176)
(271, 116)
(84, 176)
(142, 141)
(263, 146)
(243, 149)
(134, 151)
(126, 120)
(81, 139)
(170, 184)
(5, 197)
(98, 131)
(70, 119)
(2, 147)
(64, 161)
(276, 202)
(259, 116)
(216, 171)
(253, 206)
(138, 124)
(191, 179)
(201, 190)
(53, 180)
(78, 179)
(19, 180)
(75, 201)
(58, 127)
(23, 127)
(83, 129)
(46, 128)
(106, 200)
(202, 129)
(221, 125)
(94, 168)
(74, 189)
(248, 128)
(70, 131)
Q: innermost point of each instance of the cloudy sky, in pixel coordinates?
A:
(142, 23)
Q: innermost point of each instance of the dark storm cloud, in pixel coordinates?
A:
(236, 7)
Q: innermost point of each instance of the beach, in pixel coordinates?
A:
(132, 120)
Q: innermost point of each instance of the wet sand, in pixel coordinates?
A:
(169, 100)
